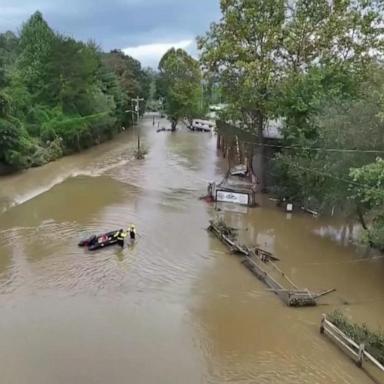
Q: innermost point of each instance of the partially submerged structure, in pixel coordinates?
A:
(261, 263)
(239, 144)
(234, 188)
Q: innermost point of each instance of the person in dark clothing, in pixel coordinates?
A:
(132, 233)
(92, 240)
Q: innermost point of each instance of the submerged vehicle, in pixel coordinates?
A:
(99, 241)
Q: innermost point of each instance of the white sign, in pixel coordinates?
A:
(232, 197)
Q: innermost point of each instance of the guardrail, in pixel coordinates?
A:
(357, 352)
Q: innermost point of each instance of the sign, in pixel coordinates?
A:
(289, 207)
(232, 197)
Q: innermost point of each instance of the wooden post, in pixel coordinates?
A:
(322, 323)
(359, 362)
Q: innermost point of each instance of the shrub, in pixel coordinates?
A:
(374, 341)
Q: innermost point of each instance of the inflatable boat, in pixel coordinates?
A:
(99, 241)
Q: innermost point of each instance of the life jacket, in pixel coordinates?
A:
(121, 235)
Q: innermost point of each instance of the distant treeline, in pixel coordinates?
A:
(59, 95)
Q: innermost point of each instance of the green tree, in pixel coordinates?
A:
(349, 133)
(180, 82)
(240, 51)
(70, 72)
(261, 49)
(327, 49)
(59, 95)
(36, 47)
(12, 143)
(368, 193)
(133, 80)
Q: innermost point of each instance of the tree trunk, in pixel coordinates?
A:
(173, 125)
(361, 218)
(364, 225)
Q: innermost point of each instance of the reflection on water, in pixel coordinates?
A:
(344, 234)
(175, 307)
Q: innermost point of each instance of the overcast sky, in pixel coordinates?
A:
(144, 29)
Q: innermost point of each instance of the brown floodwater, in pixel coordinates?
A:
(175, 307)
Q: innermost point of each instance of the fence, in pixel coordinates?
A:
(355, 351)
(260, 263)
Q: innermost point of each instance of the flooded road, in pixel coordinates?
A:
(175, 307)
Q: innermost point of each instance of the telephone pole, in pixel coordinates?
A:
(135, 108)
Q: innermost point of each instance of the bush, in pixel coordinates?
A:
(44, 154)
(14, 144)
(55, 149)
(47, 133)
(374, 341)
(16, 159)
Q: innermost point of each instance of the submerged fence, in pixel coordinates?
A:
(260, 263)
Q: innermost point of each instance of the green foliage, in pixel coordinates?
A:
(59, 95)
(334, 169)
(180, 82)
(311, 65)
(240, 52)
(70, 71)
(8, 47)
(285, 59)
(317, 167)
(11, 144)
(133, 82)
(36, 47)
(303, 95)
(368, 192)
(369, 184)
(373, 341)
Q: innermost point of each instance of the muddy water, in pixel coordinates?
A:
(175, 307)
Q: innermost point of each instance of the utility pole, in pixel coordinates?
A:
(135, 108)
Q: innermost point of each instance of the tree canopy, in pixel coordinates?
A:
(179, 82)
(315, 67)
(59, 95)
(278, 58)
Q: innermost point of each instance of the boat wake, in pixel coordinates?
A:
(31, 194)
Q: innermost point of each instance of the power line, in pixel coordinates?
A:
(350, 182)
(317, 149)
(330, 176)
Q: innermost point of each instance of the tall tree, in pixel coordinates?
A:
(258, 45)
(349, 133)
(59, 95)
(133, 80)
(180, 82)
(326, 51)
(241, 51)
(70, 73)
(36, 46)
